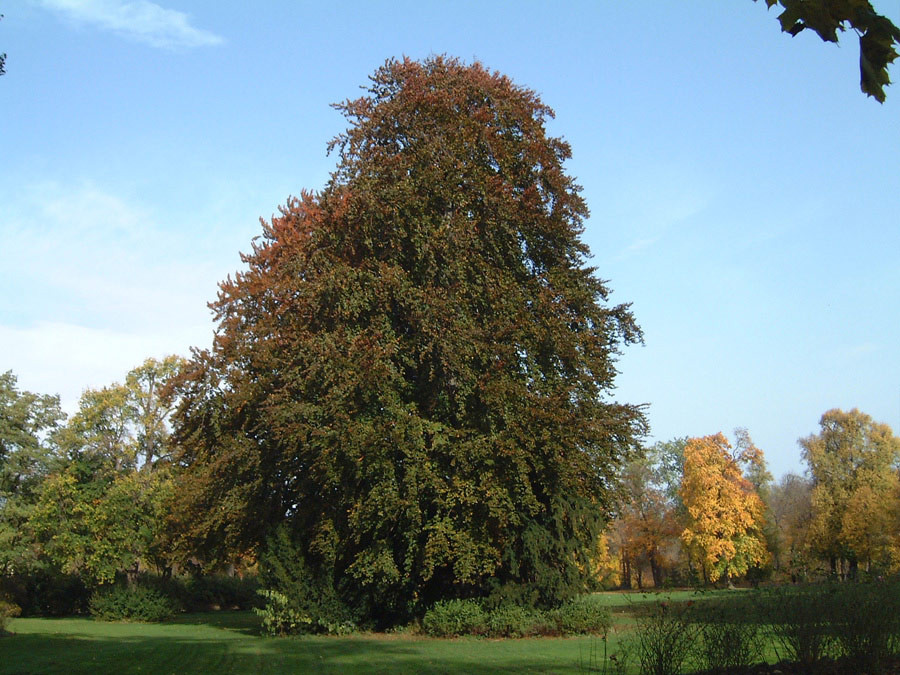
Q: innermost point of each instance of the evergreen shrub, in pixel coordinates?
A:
(515, 621)
(132, 603)
(584, 615)
(296, 600)
(451, 618)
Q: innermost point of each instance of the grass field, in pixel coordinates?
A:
(229, 642)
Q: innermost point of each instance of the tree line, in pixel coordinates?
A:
(697, 510)
(96, 495)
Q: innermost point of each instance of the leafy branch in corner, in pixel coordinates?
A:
(878, 36)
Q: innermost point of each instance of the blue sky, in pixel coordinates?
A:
(744, 193)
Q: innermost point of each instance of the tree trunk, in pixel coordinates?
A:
(655, 569)
(626, 573)
(131, 574)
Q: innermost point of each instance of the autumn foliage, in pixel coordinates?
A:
(855, 493)
(723, 532)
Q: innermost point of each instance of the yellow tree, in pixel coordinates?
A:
(868, 525)
(724, 514)
(604, 564)
(852, 461)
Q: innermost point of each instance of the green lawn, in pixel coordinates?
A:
(228, 642)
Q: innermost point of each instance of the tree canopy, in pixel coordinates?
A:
(28, 423)
(853, 461)
(414, 370)
(725, 516)
(90, 497)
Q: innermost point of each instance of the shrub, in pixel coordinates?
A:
(132, 603)
(7, 611)
(450, 618)
(221, 592)
(865, 620)
(282, 615)
(800, 623)
(666, 637)
(584, 615)
(731, 636)
(516, 621)
(279, 617)
(296, 601)
(46, 592)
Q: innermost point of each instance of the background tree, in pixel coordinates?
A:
(605, 567)
(28, 423)
(853, 463)
(413, 371)
(756, 471)
(791, 505)
(725, 515)
(878, 36)
(100, 431)
(869, 525)
(28, 427)
(667, 458)
(98, 524)
(153, 404)
(127, 424)
(102, 510)
(647, 523)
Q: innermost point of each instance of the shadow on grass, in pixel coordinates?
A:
(246, 623)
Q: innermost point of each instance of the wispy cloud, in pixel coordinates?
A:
(858, 350)
(93, 286)
(139, 20)
(83, 252)
(639, 245)
(653, 198)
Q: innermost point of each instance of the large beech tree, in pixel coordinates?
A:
(413, 371)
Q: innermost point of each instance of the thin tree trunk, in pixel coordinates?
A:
(655, 569)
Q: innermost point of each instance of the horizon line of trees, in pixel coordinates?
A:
(696, 510)
(94, 495)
